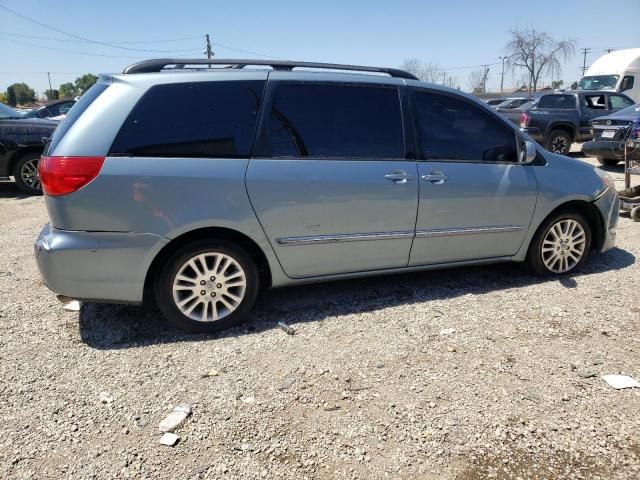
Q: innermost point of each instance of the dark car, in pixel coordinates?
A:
(51, 109)
(514, 114)
(21, 144)
(611, 132)
(494, 102)
(559, 119)
(512, 103)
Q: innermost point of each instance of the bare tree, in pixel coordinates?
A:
(427, 72)
(476, 81)
(538, 53)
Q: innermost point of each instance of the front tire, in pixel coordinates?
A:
(559, 142)
(608, 162)
(207, 286)
(561, 244)
(25, 173)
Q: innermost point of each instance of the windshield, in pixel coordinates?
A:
(599, 82)
(8, 112)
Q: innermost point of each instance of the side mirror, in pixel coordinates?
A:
(527, 152)
(626, 84)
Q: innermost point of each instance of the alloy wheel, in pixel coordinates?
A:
(30, 175)
(563, 245)
(209, 286)
(559, 145)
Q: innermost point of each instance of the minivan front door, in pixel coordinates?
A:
(328, 180)
(476, 201)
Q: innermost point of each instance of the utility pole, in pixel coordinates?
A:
(208, 52)
(484, 78)
(49, 77)
(584, 61)
(609, 50)
(502, 75)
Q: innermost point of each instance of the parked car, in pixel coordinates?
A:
(204, 188)
(52, 110)
(512, 103)
(611, 132)
(21, 144)
(514, 114)
(494, 102)
(559, 119)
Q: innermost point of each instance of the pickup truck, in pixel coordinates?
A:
(559, 119)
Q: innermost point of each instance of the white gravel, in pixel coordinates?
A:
(462, 374)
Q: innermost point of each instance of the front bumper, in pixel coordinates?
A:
(609, 205)
(96, 266)
(609, 150)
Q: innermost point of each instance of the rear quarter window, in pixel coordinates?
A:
(557, 101)
(74, 114)
(195, 119)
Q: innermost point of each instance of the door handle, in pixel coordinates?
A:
(398, 176)
(435, 178)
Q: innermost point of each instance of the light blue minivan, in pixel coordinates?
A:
(201, 182)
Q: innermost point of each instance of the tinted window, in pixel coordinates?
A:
(81, 105)
(594, 102)
(618, 102)
(199, 119)
(335, 121)
(557, 101)
(451, 128)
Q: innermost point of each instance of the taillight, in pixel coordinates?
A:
(63, 175)
(524, 120)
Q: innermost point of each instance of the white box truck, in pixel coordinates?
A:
(619, 71)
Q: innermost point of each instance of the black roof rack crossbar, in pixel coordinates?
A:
(156, 65)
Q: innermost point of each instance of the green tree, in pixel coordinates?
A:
(85, 82)
(52, 94)
(3, 97)
(11, 96)
(556, 84)
(23, 93)
(67, 90)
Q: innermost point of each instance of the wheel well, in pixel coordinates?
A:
(18, 154)
(566, 128)
(591, 213)
(211, 233)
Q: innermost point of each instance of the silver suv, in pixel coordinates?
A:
(202, 182)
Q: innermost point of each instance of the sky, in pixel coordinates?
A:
(455, 34)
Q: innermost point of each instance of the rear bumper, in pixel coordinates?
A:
(609, 205)
(96, 266)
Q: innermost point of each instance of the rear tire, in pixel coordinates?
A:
(207, 286)
(561, 244)
(559, 141)
(608, 162)
(25, 174)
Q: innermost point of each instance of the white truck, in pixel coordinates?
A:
(618, 70)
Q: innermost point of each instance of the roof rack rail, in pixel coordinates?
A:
(156, 65)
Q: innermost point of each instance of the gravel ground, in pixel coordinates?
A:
(370, 386)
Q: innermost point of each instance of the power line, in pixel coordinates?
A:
(113, 43)
(71, 51)
(104, 44)
(248, 51)
(192, 50)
